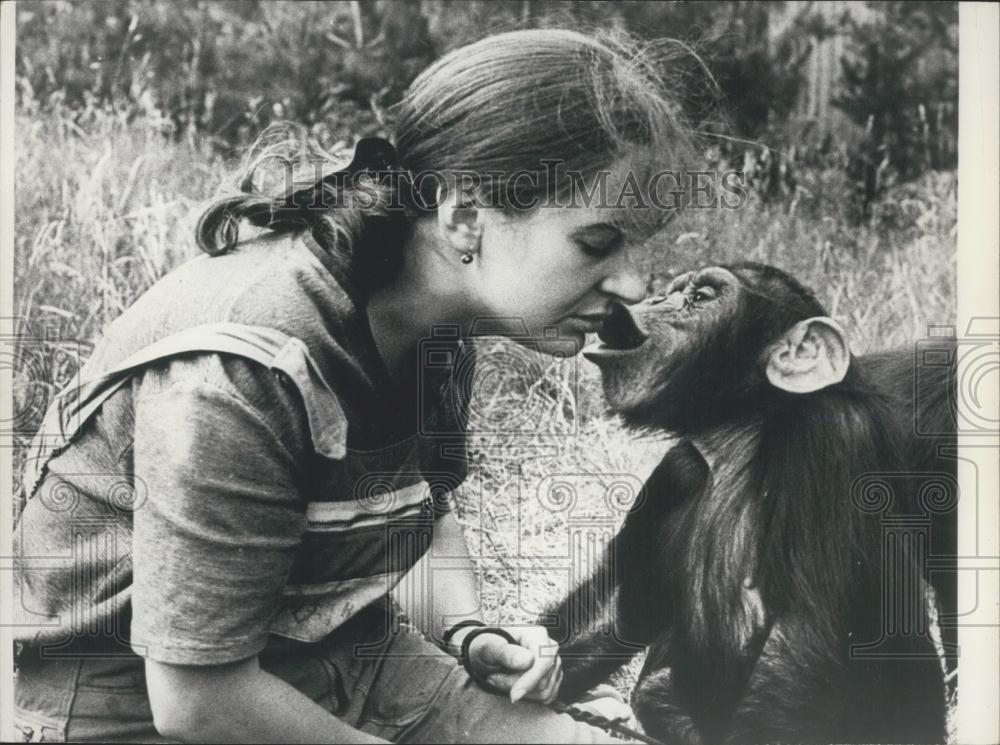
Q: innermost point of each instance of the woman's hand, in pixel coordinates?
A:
(529, 669)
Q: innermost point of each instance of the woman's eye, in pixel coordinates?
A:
(702, 294)
(596, 250)
(599, 240)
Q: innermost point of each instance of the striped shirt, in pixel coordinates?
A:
(214, 501)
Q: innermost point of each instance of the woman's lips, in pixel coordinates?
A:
(592, 323)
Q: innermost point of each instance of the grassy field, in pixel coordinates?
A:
(103, 210)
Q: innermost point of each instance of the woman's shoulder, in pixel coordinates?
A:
(269, 324)
(229, 382)
(280, 283)
(272, 277)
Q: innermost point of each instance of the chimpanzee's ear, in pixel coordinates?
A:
(811, 355)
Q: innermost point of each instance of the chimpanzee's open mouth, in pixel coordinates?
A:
(618, 335)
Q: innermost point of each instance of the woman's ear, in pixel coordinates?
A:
(458, 222)
(813, 354)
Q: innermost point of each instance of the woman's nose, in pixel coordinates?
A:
(626, 283)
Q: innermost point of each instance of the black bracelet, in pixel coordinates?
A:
(464, 656)
(451, 631)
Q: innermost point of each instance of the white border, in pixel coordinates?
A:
(978, 289)
(7, 41)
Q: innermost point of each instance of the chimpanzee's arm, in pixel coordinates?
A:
(624, 606)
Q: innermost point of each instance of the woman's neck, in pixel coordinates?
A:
(421, 296)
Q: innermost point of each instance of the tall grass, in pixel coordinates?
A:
(103, 210)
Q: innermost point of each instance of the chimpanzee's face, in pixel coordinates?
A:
(664, 346)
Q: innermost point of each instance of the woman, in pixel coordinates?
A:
(263, 445)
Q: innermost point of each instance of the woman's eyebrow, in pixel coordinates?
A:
(604, 231)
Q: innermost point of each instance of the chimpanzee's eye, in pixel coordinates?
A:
(703, 293)
(678, 283)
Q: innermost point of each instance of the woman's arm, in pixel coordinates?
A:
(238, 702)
(441, 590)
(217, 444)
(529, 669)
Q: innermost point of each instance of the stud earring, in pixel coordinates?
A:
(474, 239)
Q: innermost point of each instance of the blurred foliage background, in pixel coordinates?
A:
(841, 117)
(223, 69)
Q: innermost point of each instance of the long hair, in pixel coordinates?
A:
(508, 106)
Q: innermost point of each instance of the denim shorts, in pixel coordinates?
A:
(380, 677)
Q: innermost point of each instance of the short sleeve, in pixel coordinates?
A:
(215, 540)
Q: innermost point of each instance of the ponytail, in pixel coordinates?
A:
(217, 230)
(356, 209)
(505, 107)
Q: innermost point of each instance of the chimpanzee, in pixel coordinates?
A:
(765, 569)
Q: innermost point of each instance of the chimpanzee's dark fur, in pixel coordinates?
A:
(749, 581)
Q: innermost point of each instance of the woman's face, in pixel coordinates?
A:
(553, 273)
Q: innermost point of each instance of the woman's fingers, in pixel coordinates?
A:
(548, 687)
(503, 681)
(493, 652)
(529, 669)
(544, 674)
